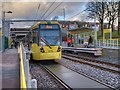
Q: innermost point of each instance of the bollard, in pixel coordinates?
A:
(34, 84)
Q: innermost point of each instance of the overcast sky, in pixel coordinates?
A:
(28, 9)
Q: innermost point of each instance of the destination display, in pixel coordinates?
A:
(53, 26)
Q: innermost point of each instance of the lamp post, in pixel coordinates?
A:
(63, 17)
(110, 10)
(3, 25)
(10, 35)
(64, 13)
(95, 30)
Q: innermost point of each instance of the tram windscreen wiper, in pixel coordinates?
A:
(56, 39)
(46, 42)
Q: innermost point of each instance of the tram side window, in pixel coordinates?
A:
(35, 36)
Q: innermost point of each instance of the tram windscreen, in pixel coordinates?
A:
(50, 34)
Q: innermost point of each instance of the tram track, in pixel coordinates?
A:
(59, 73)
(93, 63)
(60, 83)
(90, 77)
(93, 60)
(65, 86)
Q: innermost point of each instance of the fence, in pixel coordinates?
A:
(25, 80)
(113, 43)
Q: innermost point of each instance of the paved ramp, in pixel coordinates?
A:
(10, 69)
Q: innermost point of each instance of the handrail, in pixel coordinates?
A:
(25, 80)
(109, 43)
(22, 70)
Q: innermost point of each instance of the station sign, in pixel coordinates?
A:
(107, 30)
(1, 34)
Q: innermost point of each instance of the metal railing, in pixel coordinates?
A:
(25, 79)
(113, 43)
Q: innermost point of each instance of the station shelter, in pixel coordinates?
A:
(81, 36)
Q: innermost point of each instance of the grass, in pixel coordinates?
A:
(99, 36)
(107, 35)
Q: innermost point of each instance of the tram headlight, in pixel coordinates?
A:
(59, 49)
(42, 49)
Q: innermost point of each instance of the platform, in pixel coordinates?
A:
(95, 51)
(10, 69)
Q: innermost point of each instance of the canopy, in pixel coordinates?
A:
(80, 30)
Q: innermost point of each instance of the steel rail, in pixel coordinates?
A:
(56, 78)
(92, 60)
(69, 88)
(92, 65)
(111, 87)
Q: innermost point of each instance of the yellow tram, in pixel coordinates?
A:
(46, 41)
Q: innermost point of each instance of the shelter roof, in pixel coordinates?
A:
(80, 30)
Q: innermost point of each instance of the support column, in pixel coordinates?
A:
(6, 34)
(77, 40)
(3, 20)
(1, 32)
(0, 39)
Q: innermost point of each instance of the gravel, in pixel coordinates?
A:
(44, 81)
(110, 59)
(100, 75)
(94, 63)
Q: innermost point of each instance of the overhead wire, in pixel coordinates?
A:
(37, 13)
(54, 9)
(47, 9)
(76, 14)
(37, 10)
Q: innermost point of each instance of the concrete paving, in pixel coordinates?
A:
(73, 79)
(10, 69)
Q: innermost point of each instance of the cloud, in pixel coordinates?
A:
(71, 8)
(28, 10)
(21, 9)
(43, 0)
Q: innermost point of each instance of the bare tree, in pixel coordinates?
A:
(103, 10)
(119, 18)
(96, 10)
(112, 13)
